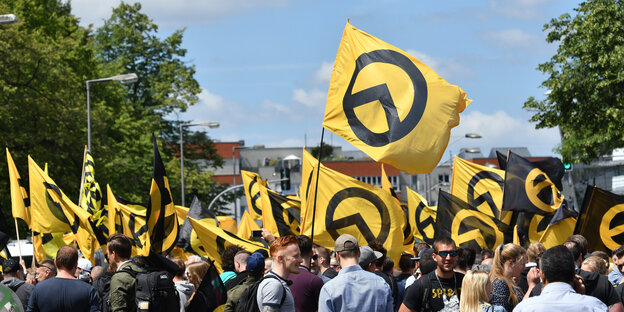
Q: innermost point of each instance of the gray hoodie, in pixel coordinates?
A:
(185, 290)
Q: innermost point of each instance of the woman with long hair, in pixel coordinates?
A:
(195, 274)
(509, 261)
(475, 296)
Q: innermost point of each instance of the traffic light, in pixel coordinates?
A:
(567, 166)
(285, 176)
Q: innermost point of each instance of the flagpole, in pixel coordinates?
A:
(19, 245)
(32, 239)
(84, 160)
(318, 169)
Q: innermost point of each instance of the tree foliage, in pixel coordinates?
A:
(586, 81)
(327, 151)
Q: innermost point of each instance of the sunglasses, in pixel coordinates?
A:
(314, 257)
(443, 254)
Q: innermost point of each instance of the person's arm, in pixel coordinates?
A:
(325, 303)
(413, 298)
(616, 307)
(500, 293)
(32, 302)
(404, 308)
(533, 278)
(95, 304)
(121, 286)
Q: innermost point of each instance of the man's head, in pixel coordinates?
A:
(535, 251)
(557, 265)
(286, 255)
(347, 250)
(445, 254)
(377, 246)
(255, 265)
(581, 241)
(227, 257)
(119, 248)
(406, 264)
(575, 249)
(180, 273)
(368, 258)
(420, 246)
(240, 261)
(618, 258)
(305, 247)
(45, 270)
(321, 261)
(465, 258)
(67, 259)
(12, 268)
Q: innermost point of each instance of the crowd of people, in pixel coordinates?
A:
(297, 275)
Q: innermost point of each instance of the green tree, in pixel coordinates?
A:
(586, 81)
(326, 150)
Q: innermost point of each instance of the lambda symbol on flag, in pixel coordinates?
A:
(610, 231)
(422, 225)
(487, 196)
(466, 233)
(397, 128)
(255, 197)
(538, 185)
(356, 219)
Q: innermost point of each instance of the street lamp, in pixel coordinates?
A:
(6, 19)
(126, 78)
(438, 185)
(211, 124)
(467, 135)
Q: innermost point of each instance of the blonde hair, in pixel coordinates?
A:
(474, 291)
(596, 264)
(196, 272)
(502, 254)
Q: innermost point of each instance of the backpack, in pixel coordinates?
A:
(154, 291)
(248, 301)
(102, 286)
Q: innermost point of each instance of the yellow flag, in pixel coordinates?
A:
(19, 196)
(251, 181)
(181, 213)
(481, 187)
(280, 214)
(227, 223)
(161, 219)
(128, 219)
(422, 217)
(76, 219)
(308, 163)
(346, 205)
(385, 182)
(215, 239)
(247, 225)
(557, 234)
(91, 197)
(389, 104)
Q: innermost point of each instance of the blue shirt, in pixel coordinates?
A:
(324, 278)
(63, 294)
(615, 276)
(559, 296)
(354, 289)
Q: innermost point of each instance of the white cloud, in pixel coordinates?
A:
(210, 101)
(499, 129)
(513, 39)
(323, 74)
(520, 9)
(166, 12)
(275, 107)
(314, 98)
(447, 68)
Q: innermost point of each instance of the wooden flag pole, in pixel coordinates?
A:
(318, 169)
(19, 245)
(32, 239)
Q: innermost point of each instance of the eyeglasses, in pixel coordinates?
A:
(314, 257)
(443, 254)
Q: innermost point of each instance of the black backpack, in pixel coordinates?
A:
(248, 301)
(102, 286)
(154, 291)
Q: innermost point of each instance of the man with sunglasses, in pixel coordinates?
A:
(306, 286)
(440, 289)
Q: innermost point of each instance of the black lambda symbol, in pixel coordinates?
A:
(333, 226)
(397, 128)
(485, 197)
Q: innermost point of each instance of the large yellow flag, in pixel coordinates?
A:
(247, 224)
(346, 205)
(481, 187)
(215, 239)
(280, 214)
(128, 219)
(91, 194)
(50, 201)
(251, 182)
(19, 196)
(308, 163)
(389, 104)
(161, 219)
(422, 217)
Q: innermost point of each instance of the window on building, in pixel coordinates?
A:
(443, 178)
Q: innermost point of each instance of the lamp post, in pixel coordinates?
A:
(438, 185)
(211, 124)
(6, 19)
(467, 135)
(126, 78)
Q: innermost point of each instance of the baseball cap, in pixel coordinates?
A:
(425, 252)
(10, 266)
(368, 255)
(84, 264)
(255, 263)
(345, 242)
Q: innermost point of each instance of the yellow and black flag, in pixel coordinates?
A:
(91, 194)
(281, 215)
(199, 212)
(561, 226)
(346, 205)
(20, 202)
(308, 163)
(252, 183)
(528, 188)
(389, 104)
(247, 224)
(467, 226)
(215, 239)
(128, 218)
(162, 223)
(422, 217)
(602, 219)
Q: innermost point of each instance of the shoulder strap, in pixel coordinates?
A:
(283, 288)
(426, 284)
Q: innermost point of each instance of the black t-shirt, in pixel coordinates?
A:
(596, 285)
(451, 287)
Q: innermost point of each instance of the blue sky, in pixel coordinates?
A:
(264, 66)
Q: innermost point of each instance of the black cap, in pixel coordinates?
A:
(10, 266)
